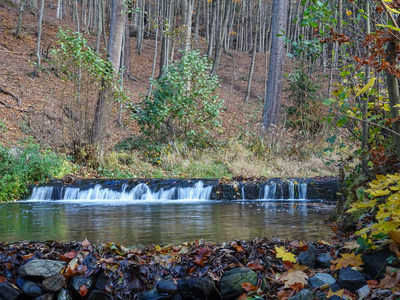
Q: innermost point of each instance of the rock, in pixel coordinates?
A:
(153, 295)
(351, 280)
(64, 294)
(320, 279)
(376, 262)
(230, 283)
(99, 295)
(8, 291)
(324, 260)
(78, 281)
(383, 293)
(41, 268)
(304, 294)
(308, 258)
(30, 288)
(53, 283)
(196, 288)
(48, 296)
(167, 286)
(101, 281)
(363, 292)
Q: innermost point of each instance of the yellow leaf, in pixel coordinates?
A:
(337, 293)
(366, 87)
(348, 12)
(281, 253)
(348, 260)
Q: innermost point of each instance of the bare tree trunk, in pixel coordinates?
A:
(253, 56)
(220, 38)
(272, 104)
(212, 29)
(21, 10)
(165, 40)
(188, 22)
(114, 57)
(155, 49)
(140, 32)
(34, 74)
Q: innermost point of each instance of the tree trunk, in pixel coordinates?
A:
(272, 104)
(114, 56)
(165, 32)
(394, 95)
(34, 74)
(220, 38)
(21, 10)
(212, 29)
(253, 56)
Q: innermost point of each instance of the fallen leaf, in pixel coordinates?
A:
(348, 259)
(248, 287)
(293, 278)
(281, 253)
(351, 245)
(395, 236)
(391, 280)
(27, 256)
(337, 293)
(86, 243)
(83, 290)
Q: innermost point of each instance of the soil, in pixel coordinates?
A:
(41, 97)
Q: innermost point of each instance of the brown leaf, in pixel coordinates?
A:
(243, 296)
(395, 234)
(255, 266)
(337, 293)
(2, 279)
(86, 243)
(391, 280)
(292, 277)
(27, 256)
(83, 290)
(67, 257)
(248, 287)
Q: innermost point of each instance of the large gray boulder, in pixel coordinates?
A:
(41, 268)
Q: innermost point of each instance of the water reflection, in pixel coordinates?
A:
(161, 223)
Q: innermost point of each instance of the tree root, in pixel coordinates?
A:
(12, 95)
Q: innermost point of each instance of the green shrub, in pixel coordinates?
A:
(26, 165)
(184, 105)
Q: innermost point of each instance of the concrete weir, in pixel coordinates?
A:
(323, 188)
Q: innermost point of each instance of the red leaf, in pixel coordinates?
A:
(83, 290)
(248, 287)
(239, 249)
(68, 256)
(2, 279)
(242, 296)
(255, 266)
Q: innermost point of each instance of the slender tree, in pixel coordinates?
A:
(274, 86)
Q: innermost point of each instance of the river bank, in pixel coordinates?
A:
(257, 269)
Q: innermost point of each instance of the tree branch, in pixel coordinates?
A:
(361, 120)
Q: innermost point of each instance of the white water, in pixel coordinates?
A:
(270, 191)
(140, 192)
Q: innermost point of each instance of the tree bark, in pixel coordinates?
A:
(21, 11)
(114, 57)
(34, 74)
(271, 112)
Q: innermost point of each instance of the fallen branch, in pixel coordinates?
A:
(11, 94)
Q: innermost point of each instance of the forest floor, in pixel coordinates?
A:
(42, 99)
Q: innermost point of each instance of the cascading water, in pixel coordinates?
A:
(140, 192)
(270, 191)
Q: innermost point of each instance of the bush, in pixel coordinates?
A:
(184, 105)
(20, 167)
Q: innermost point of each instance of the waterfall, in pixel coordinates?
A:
(302, 187)
(269, 191)
(139, 192)
(291, 190)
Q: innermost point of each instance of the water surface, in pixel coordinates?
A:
(161, 222)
